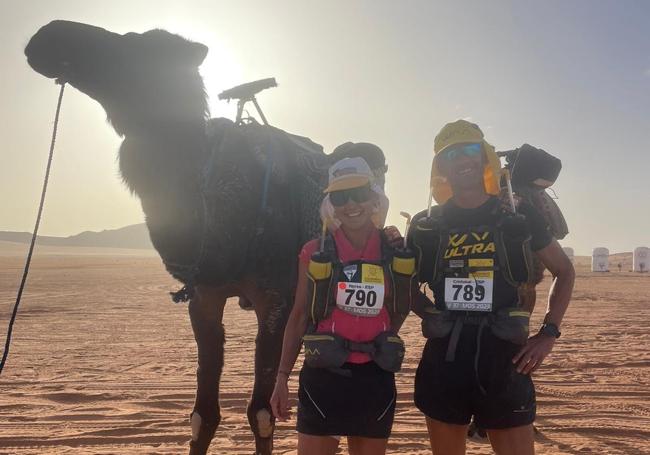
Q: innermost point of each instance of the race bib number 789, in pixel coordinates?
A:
(468, 294)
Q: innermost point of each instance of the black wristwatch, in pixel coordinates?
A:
(550, 329)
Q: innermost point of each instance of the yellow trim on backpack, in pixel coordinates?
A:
(317, 337)
(320, 270)
(404, 266)
(523, 314)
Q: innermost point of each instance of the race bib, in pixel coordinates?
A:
(363, 293)
(468, 294)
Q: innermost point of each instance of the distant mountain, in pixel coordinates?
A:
(135, 236)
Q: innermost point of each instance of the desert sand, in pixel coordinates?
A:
(102, 362)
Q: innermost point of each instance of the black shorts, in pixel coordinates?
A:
(360, 402)
(450, 391)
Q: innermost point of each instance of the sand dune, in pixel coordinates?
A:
(103, 363)
(19, 250)
(133, 236)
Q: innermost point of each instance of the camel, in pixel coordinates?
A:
(227, 206)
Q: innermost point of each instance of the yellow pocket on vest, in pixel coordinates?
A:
(482, 263)
(371, 273)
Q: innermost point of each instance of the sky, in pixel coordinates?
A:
(571, 77)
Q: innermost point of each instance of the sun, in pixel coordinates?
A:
(220, 71)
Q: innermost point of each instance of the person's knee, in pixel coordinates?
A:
(513, 441)
(446, 438)
(439, 425)
(366, 446)
(316, 445)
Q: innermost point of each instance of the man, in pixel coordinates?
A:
(475, 252)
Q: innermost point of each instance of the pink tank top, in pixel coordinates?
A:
(349, 326)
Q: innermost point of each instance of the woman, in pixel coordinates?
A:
(347, 394)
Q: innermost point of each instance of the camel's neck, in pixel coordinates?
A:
(163, 168)
(162, 159)
(164, 132)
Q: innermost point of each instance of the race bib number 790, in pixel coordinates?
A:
(365, 295)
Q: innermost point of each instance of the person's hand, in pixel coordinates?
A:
(531, 356)
(280, 398)
(394, 237)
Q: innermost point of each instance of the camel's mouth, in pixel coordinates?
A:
(44, 64)
(127, 74)
(59, 46)
(60, 70)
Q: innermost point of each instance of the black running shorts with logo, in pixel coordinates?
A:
(358, 400)
(450, 391)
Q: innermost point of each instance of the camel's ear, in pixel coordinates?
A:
(162, 45)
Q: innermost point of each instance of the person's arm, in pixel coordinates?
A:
(560, 266)
(293, 332)
(539, 346)
(395, 240)
(396, 323)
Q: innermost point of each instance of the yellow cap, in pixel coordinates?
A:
(463, 132)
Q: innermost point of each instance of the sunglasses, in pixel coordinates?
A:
(455, 151)
(358, 195)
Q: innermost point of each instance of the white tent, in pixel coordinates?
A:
(641, 259)
(569, 252)
(600, 260)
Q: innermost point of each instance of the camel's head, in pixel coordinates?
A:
(141, 80)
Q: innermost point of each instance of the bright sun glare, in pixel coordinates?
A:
(220, 70)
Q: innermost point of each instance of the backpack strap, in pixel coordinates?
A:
(513, 253)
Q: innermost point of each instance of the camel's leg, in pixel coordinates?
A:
(206, 315)
(245, 304)
(272, 310)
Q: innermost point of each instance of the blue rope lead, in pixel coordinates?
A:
(38, 222)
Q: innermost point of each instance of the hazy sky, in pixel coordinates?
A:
(572, 77)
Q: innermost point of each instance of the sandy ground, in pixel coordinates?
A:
(103, 363)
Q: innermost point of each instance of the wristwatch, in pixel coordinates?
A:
(550, 329)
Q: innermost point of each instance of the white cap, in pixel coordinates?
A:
(349, 173)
